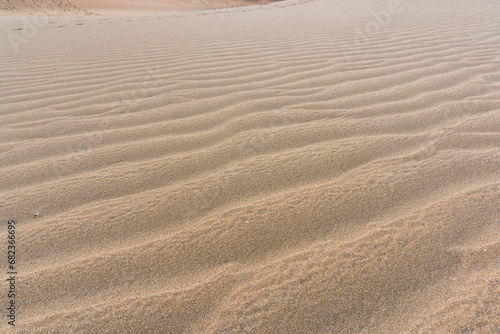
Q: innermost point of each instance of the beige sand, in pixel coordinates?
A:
(116, 7)
(134, 7)
(52, 7)
(263, 169)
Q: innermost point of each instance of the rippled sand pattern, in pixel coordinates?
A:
(300, 167)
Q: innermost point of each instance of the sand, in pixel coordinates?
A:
(116, 7)
(132, 7)
(319, 166)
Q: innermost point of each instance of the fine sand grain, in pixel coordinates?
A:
(321, 166)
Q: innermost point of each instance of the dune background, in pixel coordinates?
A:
(299, 167)
(33, 7)
(132, 7)
(116, 7)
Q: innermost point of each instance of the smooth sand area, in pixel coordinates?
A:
(322, 166)
(134, 7)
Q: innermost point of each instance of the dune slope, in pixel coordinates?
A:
(303, 167)
(116, 7)
(51, 7)
(152, 6)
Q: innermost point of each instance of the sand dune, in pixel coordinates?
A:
(154, 6)
(52, 7)
(117, 7)
(301, 167)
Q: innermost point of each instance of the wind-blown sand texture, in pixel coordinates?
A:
(154, 6)
(263, 169)
(53, 7)
(116, 7)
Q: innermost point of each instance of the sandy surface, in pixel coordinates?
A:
(298, 167)
(116, 7)
(133, 7)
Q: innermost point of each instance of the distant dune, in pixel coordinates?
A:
(39, 6)
(162, 5)
(302, 167)
(63, 7)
